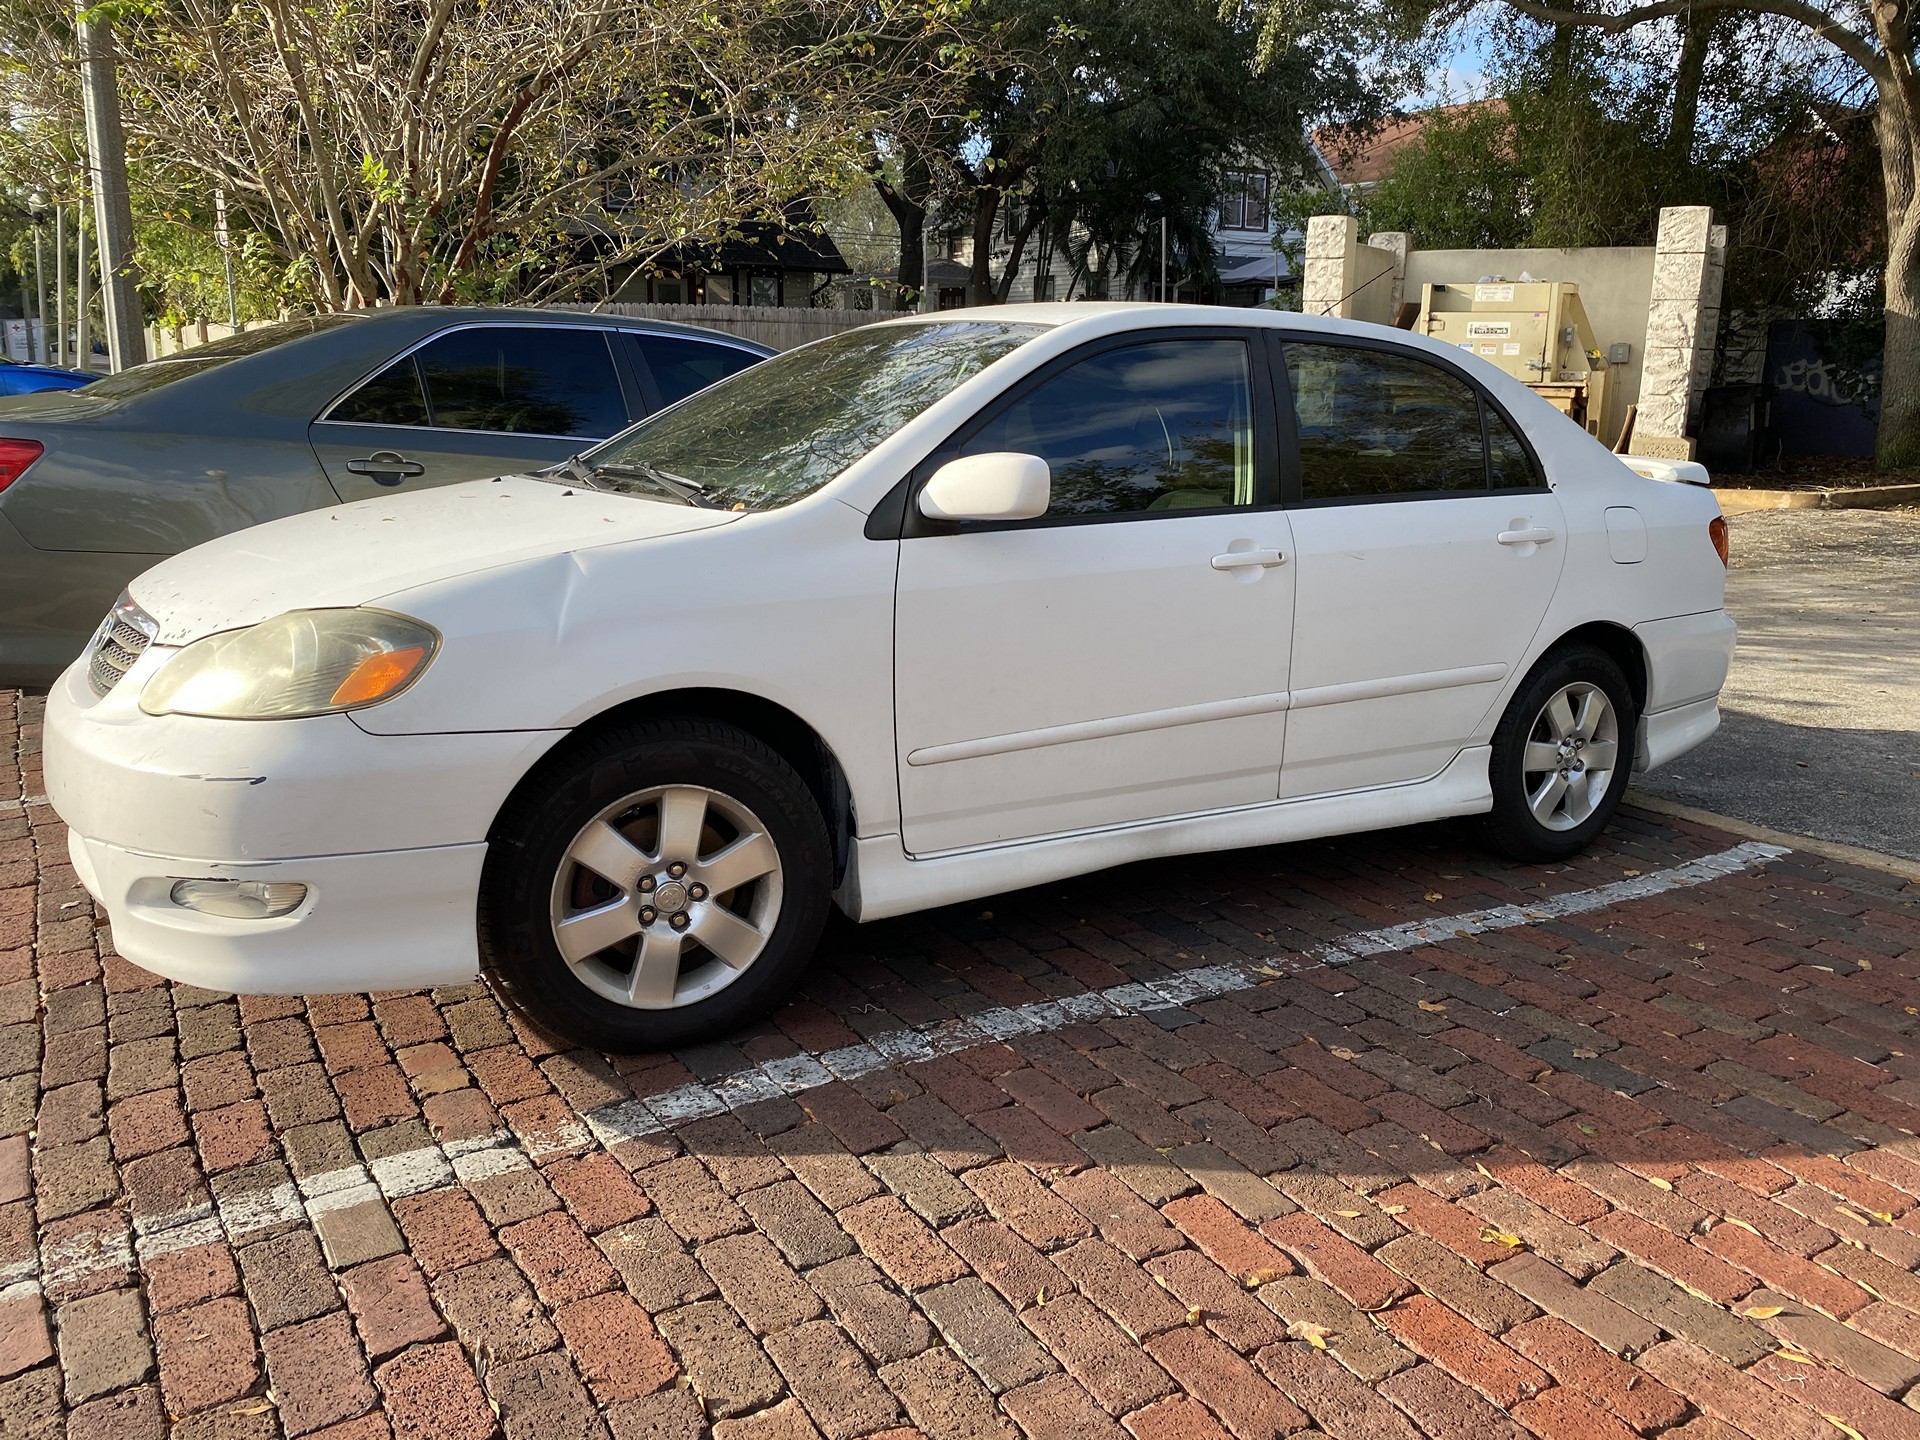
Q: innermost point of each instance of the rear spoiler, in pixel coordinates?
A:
(1673, 472)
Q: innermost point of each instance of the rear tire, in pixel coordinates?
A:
(1562, 756)
(654, 885)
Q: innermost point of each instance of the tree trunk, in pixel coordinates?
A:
(908, 206)
(1898, 444)
(986, 210)
(1696, 44)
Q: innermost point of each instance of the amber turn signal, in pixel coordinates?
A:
(1717, 532)
(379, 675)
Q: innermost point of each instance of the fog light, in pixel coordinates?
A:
(239, 899)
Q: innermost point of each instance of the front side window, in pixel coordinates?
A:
(685, 367)
(781, 429)
(525, 379)
(1166, 425)
(1376, 423)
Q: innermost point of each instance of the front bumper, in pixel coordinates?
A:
(388, 832)
(390, 920)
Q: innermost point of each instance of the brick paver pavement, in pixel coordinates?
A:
(1374, 1138)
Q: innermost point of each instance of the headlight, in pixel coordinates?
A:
(306, 662)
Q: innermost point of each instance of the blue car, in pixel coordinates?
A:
(19, 379)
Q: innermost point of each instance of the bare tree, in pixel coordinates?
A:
(443, 150)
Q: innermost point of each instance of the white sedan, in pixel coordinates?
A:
(936, 608)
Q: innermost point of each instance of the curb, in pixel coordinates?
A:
(1867, 497)
(1828, 849)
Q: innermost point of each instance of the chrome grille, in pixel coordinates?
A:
(122, 638)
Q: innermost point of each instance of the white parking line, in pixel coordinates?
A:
(466, 1162)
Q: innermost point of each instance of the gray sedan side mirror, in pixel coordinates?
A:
(1001, 485)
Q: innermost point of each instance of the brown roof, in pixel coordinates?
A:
(1365, 155)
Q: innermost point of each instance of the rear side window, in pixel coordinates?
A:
(391, 398)
(526, 379)
(684, 367)
(1374, 423)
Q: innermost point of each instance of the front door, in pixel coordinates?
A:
(1427, 549)
(1123, 658)
(477, 401)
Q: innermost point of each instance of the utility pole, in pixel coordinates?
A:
(40, 290)
(82, 293)
(112, 206)
(226, 251)
(60, 283)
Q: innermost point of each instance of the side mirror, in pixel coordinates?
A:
(1002, 485)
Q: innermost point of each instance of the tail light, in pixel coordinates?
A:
(1717, 532)
(15, 457)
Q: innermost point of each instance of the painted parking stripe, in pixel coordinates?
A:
(466, 1162)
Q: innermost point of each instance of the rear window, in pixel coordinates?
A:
(155, 374)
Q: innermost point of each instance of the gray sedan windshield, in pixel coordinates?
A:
(779, 431)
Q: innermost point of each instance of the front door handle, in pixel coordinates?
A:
(1241, 559)
(1536, 535)
(387, 467)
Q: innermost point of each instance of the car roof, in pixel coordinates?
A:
(427, 318)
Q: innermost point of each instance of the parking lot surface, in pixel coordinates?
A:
(1821, 715)
(1373, 1138)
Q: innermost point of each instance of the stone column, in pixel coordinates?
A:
(1333, 254)
(1688, 263)
(1395, 243)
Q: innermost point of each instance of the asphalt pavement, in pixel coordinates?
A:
(1821, 734)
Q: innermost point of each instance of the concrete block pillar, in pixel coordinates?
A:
(1689, 263)
(1333, 255)
(1395, 243)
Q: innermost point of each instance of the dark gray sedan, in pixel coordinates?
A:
(97, 485)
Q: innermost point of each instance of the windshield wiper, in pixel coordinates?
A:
(678, 486)
(575, 469)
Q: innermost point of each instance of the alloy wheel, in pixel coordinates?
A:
(666, 897)
(1571, 752)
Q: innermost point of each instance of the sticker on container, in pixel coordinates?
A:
(1489, 349)
(1512, 347)
(1489, 329)
(1493, 294)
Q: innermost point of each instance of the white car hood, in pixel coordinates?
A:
(354, 554)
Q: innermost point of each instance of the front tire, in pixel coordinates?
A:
(1562, 756)
(654, 886)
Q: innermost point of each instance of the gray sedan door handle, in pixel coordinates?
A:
(1241, 559)
(1538, 535)
(387, 467)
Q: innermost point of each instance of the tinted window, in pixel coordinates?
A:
(391, 398)
(524, 378)
(1378, 423)
(1161, 426)
(686, 367)
(783, 428)
(1507, 459)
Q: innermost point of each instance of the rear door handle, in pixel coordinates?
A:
(387, 467)
(1241, 559)
(1538, 535)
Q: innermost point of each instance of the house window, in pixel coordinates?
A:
(953, 297)
(766, 290)
(1244, 205)
(666, 291)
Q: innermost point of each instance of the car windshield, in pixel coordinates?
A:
(155, 373)
(780, 430)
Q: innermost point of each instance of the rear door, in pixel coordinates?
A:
(1428, 548)
(474, 402)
